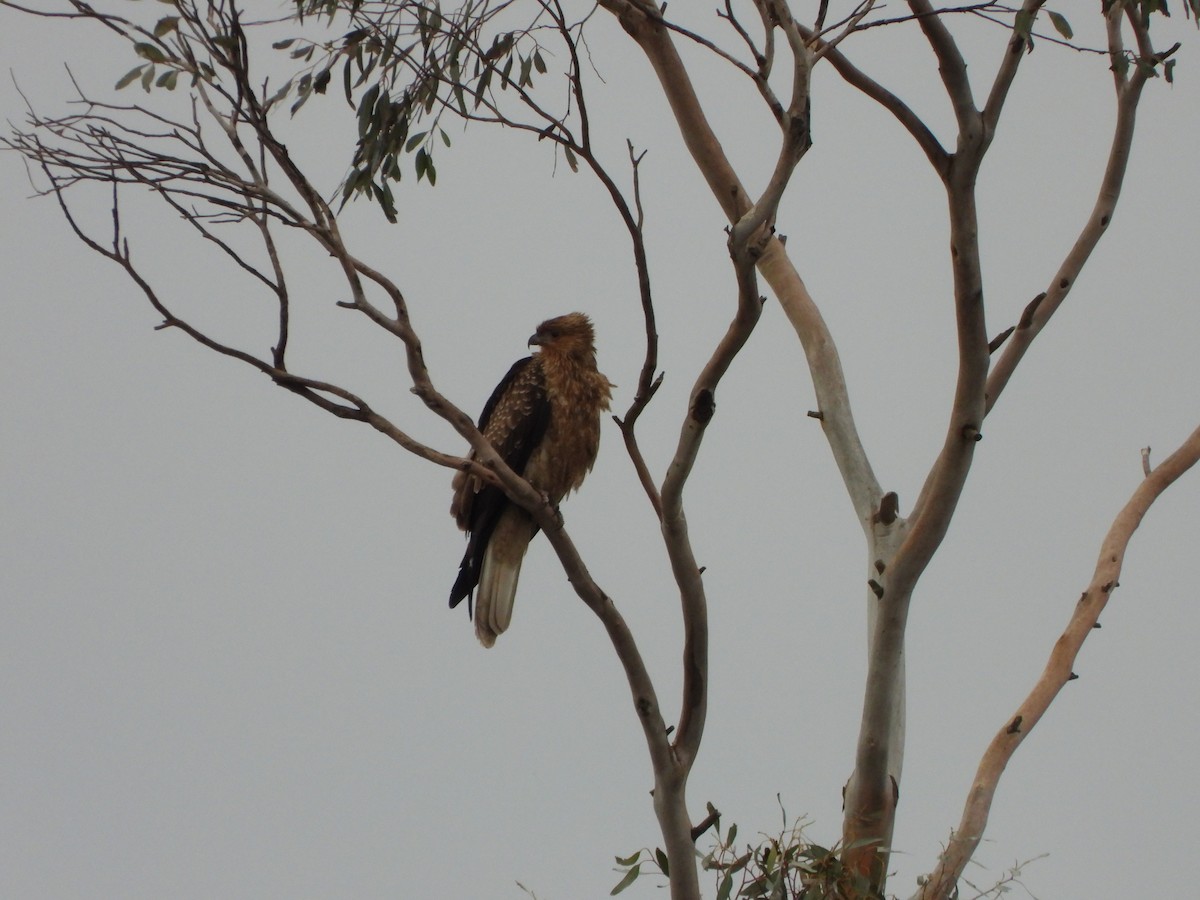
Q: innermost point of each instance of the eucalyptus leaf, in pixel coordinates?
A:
(630, 878)
(150, 52)
(1061, 25)
(129, 77)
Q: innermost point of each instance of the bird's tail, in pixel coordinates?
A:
(499, 573)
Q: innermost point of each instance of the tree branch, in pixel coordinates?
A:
(940, 884)
(643, 23)
(1129, 92)
(1018, 45)
(951, 65)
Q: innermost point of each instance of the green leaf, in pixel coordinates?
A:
(129, 77)
(147, 78)
(284, 44)
(227, 42)
(630, 878)
(661, 858)
(167, 79)
(726, 887)
(539, 63)
(772, 859)
(482, 85)
(280, 94)
(1061, 25)
(571, 160)
(150, 52)
(347, 86)
(366, 107)
(347, 189)
(300, 101)
(383, 193)
(166, 25)
(815, 852)
(628, 860)
(446, 137)
(731, 835)
(414, 141)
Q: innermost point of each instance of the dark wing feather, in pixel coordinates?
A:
(516, 415)
(514, 420)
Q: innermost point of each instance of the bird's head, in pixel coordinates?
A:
(571, 334)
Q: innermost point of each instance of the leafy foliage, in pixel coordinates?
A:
(404, 64)
(631, 867)
(782, 866)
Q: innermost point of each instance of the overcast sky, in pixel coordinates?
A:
(227, 666)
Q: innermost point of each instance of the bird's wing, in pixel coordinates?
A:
(514, 420)
(515, 417)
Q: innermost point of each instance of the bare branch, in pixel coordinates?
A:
(951, 65)
(643, 22)
(847, 27)
(940, 884)
(648, 381)
(870, 800)
(1018, 44)
(855, 77)
(1129, 91)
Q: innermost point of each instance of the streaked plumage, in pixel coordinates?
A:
(544, 421)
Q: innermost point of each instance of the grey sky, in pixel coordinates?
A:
(227, 665)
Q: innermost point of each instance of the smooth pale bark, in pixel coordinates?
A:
(941, 883)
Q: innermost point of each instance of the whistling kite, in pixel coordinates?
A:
(544, 421)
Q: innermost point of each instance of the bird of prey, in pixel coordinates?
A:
(544, 421)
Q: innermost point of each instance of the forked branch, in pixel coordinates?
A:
(642, 20)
